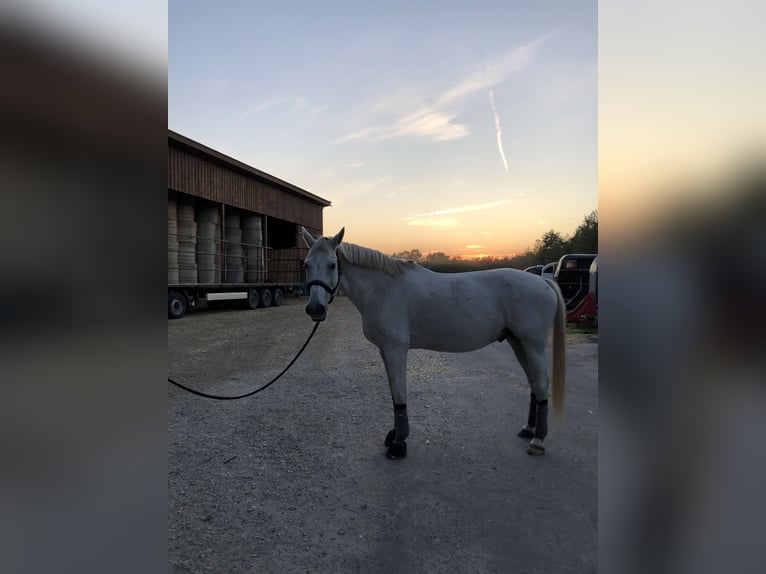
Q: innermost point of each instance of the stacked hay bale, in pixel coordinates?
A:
(235, 260)
(196, 253)
(172, 242)
(187, 242)
(252, 237)
(208, 244)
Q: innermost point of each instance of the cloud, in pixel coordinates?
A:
(359, 134)
(498, 129)
(434, 221)
(467, 208)
(475, 246)
(425, 122)
(405, 113)
(259, 107)
(431, 124)
(497, 70)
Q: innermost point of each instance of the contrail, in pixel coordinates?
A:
(498, 129)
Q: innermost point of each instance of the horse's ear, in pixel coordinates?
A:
(335, 241)
(307, 237)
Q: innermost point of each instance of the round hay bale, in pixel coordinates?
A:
(251, 221)
(187, 232)
(235, 264)
(205, 273)
(208, 214)
(233, 235)
(207, 257)
(172, 235)
(207, 247)
(185, 211)
(254, 265)
(232, 220)
(187, 264)
(172, 261)
(207, 230)
(252, 237)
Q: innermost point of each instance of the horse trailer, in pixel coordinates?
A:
(573, 277)
(233, 230)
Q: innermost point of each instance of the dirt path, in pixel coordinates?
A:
(294, 479)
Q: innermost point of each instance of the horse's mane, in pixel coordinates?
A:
(372, 259)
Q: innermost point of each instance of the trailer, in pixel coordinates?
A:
(586, 311)
(225, 264)
(263, 290)
(233, 231)
(573, 277)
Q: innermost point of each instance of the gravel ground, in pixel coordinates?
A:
(294, 479)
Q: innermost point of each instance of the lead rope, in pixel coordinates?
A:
(258, 390)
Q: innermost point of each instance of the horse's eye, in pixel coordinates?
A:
(333, 265)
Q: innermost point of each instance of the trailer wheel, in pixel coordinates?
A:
(252, 299)
(276, 297)
(177, 305)
(265, 298)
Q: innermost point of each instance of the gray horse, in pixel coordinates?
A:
(405, 306)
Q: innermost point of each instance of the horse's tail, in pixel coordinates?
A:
(559, 353)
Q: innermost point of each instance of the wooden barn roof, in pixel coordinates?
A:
(210, 154)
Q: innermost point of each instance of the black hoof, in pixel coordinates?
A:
(526, 433)
(390, 438)
(536, 449)
(396, 450)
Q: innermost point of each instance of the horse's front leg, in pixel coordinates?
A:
(395, 360)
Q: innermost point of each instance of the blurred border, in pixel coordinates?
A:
(682, 200)
(82, 421)
(83, 354)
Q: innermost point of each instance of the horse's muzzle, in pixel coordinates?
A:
(316, 311)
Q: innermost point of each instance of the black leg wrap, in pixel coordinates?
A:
(401, 423)
(528, 431)
(541, 428)
(531, 417)
(396, 451)
(395, 439)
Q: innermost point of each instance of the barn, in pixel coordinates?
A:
(233, 230)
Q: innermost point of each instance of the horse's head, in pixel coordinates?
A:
(322, 272)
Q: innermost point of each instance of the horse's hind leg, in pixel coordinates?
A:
(528, 430)
(532, 360)
(395, 361)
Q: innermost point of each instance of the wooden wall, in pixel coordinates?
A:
(193, 174)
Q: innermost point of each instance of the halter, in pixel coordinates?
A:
(333, 291)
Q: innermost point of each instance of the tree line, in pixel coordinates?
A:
(549, 248)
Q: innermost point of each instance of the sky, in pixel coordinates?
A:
(467, 128)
